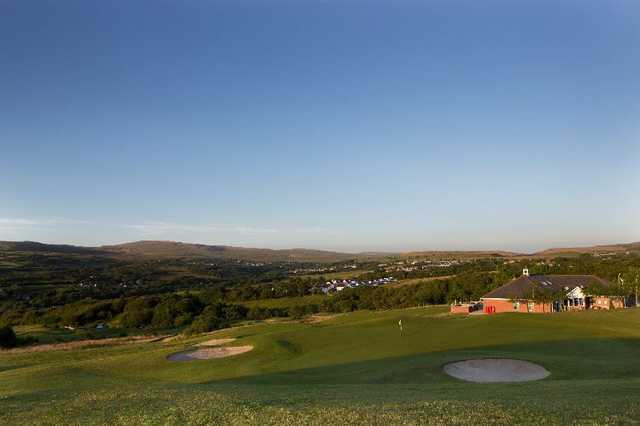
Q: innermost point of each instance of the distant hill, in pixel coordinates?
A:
(551, 252)
(172, 249)
(32, 246)
(601, 249)
(177, 249)
(438, 255)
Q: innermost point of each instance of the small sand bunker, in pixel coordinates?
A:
(209, 353)
(496, 370)
(216, 342)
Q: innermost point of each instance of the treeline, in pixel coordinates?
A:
(294, 287)
(469, 286)
(43, 281)
(219, 306)
(607, 267)
(195, 313)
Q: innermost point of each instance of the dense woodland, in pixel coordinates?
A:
(195, 295)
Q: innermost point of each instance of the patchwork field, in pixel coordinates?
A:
(354, 368)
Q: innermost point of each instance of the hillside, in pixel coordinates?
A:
(550, 252)
(458, 254)
(172, 249)
(176, 249)
(600, 249)
(35, 247)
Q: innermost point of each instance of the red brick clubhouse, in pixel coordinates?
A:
(519, 295)
(546, 293)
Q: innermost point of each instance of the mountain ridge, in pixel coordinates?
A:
(176, 249)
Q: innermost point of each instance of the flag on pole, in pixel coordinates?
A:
(400, 325)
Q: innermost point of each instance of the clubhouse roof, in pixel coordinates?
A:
(521, 288)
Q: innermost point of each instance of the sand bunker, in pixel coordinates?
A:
(216, 342)
(496, 370)
(209, 353)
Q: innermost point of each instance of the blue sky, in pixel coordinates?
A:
(345, 125)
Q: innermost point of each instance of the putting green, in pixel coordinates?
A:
(356, 368)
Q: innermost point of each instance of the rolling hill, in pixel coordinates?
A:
(600, 249)
(178, 249)
(172, 249)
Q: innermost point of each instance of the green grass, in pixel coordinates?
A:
(353, 369)
(339, 275)
(42, 334)
(286, 302)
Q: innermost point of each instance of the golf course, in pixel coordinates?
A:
(353, 368)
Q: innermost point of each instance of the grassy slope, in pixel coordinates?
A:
(340, 275)
(286, 302)
(43, 334)
(171, 249)
(355, 368)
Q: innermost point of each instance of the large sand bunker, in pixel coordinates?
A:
(496, 370)
(209, 353)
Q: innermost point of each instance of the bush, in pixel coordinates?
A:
(8, 337)
(298, 312)
(258, 313)
(175, 311)
(137, 313)
(206, 322)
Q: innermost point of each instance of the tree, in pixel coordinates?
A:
(545, 297)
(137, 313)
(258, 313)
(210, 319)
(594, 288)
(632, 278)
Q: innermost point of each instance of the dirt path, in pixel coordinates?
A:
(491, 370)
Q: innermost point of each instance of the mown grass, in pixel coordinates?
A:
(353, 369)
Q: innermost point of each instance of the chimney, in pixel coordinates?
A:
(525, 272)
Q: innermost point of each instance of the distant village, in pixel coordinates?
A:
(416, 265)
(396, 266)
(339, 285)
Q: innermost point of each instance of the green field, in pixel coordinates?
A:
(352, 369)
(339, 275)
(41, 334)
(286, 302)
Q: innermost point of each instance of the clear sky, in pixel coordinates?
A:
(349, 125)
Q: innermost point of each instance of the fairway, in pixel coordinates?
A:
(354, 368)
